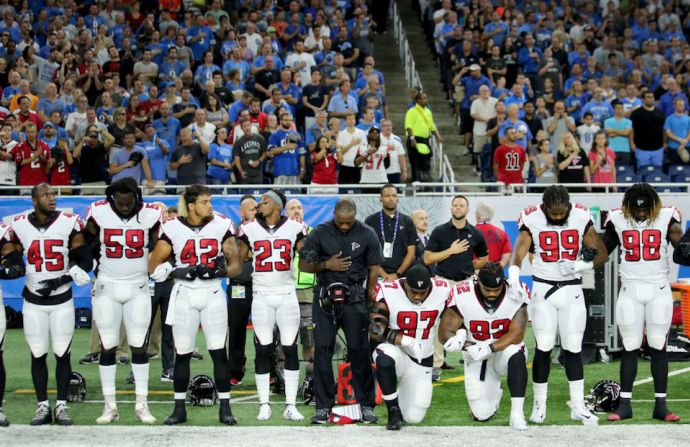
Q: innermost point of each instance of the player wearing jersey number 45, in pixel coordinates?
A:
(273, 240)
(403, 320)
(565, 243)
(643, 229)
(494, 325)
(123, 228)
(50, 240)
(203, 246)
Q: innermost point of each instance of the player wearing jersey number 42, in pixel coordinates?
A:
(643, 229)
(273, 240)
(123, 228)
(403, 320)
(494, 325)
(565, 243)
(203, 246)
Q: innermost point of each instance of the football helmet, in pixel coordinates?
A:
(77, 388)
(306, 390)
(604, 397)
(202, 391)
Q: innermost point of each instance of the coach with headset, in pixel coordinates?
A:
(345, 255)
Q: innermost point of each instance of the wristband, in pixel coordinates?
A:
(392, 334)
(491, 346)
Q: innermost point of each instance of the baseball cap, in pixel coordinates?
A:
(475, 67)
(375, 127)
(418, 277)
(49, 124)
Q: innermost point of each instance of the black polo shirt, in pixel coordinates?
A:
(405, 236)
(457, 267)
(360, 243)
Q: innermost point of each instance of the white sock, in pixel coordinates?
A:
(107, 374)
(540, 390)
(390, 396)
(262, 386)
(180, 396)
(517, 406)
(658, 395)
(291, 385)
(109, 399)
(222, 396)
(577, 390)
(626, 395)
(45, 403)
(60, 402)
(141, 379)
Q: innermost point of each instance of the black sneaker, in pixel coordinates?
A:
(368, 416)
(130, 378)
(152, 355)
(3, 419)
(178, 416)
(89, 358)
(225, 414)
(394, 419)
(322, 416)
(43, 415)
(197, 356)
(167, 375)
(124, 360)
(61, 417)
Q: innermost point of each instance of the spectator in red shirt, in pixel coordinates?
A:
(60, 165)
(510, 159)
(32, 158)
(325, 159)
(496, 239)
(25, 115)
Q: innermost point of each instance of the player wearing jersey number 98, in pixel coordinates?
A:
(195, 239)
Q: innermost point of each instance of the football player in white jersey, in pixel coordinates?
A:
(50, 240)
(203, 246)
(273, 240)
(564, 243)
(493, 324)
(643, 228)
(11, 267)
(124, 227)
(403, 321)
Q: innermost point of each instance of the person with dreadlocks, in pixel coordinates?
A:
(493, 326)
(643, 229)
(121, 229)
(202, 245)
(274, 240)
(562, 237)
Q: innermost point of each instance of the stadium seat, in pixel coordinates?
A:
(656, 178)
(667, 189)
(675, 170)
(622, 170)
(650, 170)
(628, 178)
(681, 178)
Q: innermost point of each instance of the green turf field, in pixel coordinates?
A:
(449, 405)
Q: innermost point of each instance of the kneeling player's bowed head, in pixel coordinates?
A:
(417, 283)
(556, 204)
(491, 281)
(196, 200)
(125, 197)
(641, 202)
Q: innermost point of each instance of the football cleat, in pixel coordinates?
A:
(292, 414)
(518, 422)
(3, 419)
(143, 414)
(225, 414)
(89, 358)
(578, 412)
(42, 416)
(624, 411)
(167, 375)
(61, 416)
(264, 412)
(322, 416)
(110, 414)
(196, 355)
(178, 416)
(436, 375)
(538, 412)
(395, 419)
(368, 416)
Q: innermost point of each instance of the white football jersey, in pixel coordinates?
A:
(414, 320)
(553, 243)
(6, 234)
(124, 243)
(273, 250)
(46, 247)
(644, 246)
(484, 323)
(197, 245)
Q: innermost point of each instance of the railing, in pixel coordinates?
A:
(598, 188)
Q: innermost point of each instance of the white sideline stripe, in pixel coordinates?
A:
(253, 399)
(653, 401)
(670, 374)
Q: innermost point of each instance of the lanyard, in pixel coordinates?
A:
(395, 228)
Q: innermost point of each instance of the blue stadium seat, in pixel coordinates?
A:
(681, 178)
(650, 170)
(628, 178)
(622, 170)
(667, 189)
(675, 170)
(656, 178)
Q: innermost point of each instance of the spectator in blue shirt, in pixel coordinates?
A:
(239, 105)
(495, 30)
(342, 103)
(513, 121)
(601, 110)
(667, 100)
(677, 130)
(204, 72)
(619, 131)
(199, 37)
(529, 57)
(284, 147)
(167, 127)
(220, 159)
(158, 154)
(171, 67)
(122, 166)
(50, 103)
(292, 94)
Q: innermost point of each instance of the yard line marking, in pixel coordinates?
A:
(654, 401)
(240, 400)
(131, 392)
(672, 373)
(245, 398)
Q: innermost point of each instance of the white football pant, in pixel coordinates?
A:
(562, 313)
(271, 309)
(115, 302)
(643, 306)
(199, 305)
(43, 322)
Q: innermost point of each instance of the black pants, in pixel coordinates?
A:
(354, 322)
(238, 316)
(161, 297)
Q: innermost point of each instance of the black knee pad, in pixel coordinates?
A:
(517, 360)
(218, 355)
(65, 358)
(291, 358)
(573, 365)
(39, 360)
(139, 356)
(384, 362)
(107, 357)
(262, 363)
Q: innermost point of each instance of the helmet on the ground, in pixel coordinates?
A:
(202, 391)
(307, 390)
(77, 388)
(604, 397)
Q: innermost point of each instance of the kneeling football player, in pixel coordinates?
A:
(492, 321)
(404, 320)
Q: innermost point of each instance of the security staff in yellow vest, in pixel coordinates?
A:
(419, 126)
(304, 283)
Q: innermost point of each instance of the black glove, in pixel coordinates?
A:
(217, 271)
(187, 273)
(684, 249)
(51, 284)
(13, 271)
(588, 254)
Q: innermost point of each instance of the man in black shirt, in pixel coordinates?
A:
(397, 235)
(344, 253)
(92, 154)
(648, 132)
(265, 78)
(314, 98)
(249, 152)
(184, 110)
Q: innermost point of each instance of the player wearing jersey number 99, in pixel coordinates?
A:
(196, 239)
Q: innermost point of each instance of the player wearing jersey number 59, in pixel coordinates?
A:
(50, 240)
(273, 239)
(565, 243)
(643, 229)
(494, 325)
(123, 227)
(403, 320)
(203, 246)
